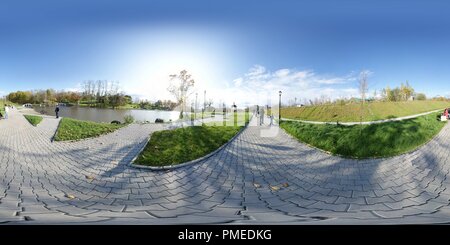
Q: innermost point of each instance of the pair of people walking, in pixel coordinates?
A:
(6, 111)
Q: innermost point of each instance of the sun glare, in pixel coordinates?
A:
(150, 64)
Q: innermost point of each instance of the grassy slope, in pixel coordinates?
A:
(372, 111)
(377, 140)
(184, 144)
(34, 120)
(71, 129)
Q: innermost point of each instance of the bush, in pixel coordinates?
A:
(128, 119)
(115, 122)
(421, 96)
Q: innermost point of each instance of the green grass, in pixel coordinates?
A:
(238, 119)
(34, 120)
(2, 107)
(171, 147)
(372, 111)
(72, 129)
(376, 140)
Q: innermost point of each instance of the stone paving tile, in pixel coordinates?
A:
(398, 213)
(297, 184)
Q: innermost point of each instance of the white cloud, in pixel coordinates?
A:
(259, 85)
(238, 82)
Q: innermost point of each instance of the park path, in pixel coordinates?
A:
(366, 122)
(264, 176)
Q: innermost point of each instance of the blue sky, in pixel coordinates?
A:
(234, 49)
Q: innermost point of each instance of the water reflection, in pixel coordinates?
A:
(108, 115)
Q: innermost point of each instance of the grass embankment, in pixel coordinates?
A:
(371, 111)
(72, 129)
(34, 120)
(171, 147)
(363, 141)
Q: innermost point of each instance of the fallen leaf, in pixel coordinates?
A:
(256, 185)
(89, 177)
(274, 188)
(70, 196)
(285, 185)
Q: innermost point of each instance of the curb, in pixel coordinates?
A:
(192, 162)
(56, 131)
(364, 123)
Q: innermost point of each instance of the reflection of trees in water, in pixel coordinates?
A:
(108, 115)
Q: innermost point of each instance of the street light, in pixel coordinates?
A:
(195, 110)
(204, 104)
(279, 108)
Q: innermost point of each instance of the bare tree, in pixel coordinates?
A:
(209, 102)
(180, 88)
(99, 88)
(363, 84)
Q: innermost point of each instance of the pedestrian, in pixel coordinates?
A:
(57, 111)
(6, 111)
(271, 120)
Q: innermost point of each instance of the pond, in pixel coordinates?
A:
(108, 115)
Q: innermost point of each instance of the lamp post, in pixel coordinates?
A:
(195, 110)
(204, 104)
(279, 107)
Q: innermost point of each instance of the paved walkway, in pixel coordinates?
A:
(254, 179)
(366, 122)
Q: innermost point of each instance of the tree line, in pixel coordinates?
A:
(100, 93)
(48, 96)
(403, 93)
(167, 105)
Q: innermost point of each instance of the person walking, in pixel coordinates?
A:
(57, 111)
(6, 111)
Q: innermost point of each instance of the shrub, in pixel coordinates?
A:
(128, 119)
(421, 96)
(115, 122)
